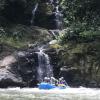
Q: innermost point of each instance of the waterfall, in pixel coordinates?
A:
(33, 13)
(44, 68)
(58, 16)
(55, 33)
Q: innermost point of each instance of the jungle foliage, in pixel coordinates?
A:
(82, 20)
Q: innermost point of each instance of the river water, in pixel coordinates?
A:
(36, 94)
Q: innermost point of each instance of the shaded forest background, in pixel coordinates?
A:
(81, 17)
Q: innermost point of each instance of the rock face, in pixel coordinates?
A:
(78, 63)
(18, 70)
(17, 62)
(8, 75)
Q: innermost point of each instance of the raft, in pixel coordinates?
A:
(48, 86)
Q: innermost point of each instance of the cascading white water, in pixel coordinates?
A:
(55, 33)
(44, 68)
(33, 13)
(58, 15)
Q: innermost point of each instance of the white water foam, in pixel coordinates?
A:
(53, 94)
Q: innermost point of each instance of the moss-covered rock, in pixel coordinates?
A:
(21, 35)
(79, 63)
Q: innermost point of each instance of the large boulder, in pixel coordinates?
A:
(18, 70)
(8, 75)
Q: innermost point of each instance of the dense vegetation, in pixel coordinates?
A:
(81, 18)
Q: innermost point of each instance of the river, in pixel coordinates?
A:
(36, 94)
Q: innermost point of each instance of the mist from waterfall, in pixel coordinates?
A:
(44, 68)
